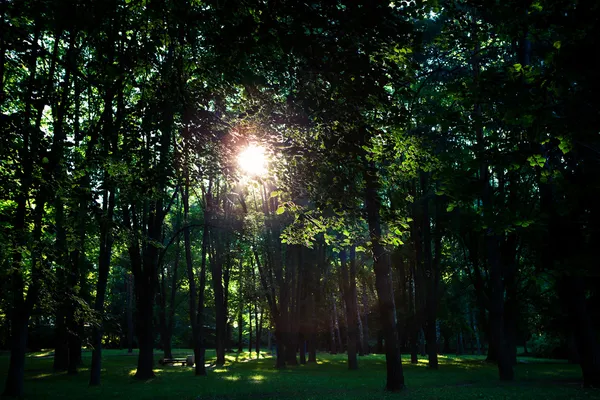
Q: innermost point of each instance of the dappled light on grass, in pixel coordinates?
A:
(42, 354)
(458, 378)
(133, 371)
(41, 376)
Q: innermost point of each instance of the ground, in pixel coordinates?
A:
(466, 377)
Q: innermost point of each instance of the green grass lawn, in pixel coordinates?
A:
(467, 377)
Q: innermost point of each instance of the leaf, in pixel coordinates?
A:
(537, 160)
(518, 67)
(280, 210)
(450, 207)
(564, 145)
(557, 45)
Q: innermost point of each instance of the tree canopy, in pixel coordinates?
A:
(348, 176)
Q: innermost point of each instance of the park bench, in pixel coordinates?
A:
(189, 360)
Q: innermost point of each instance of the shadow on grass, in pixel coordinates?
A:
(244, 376)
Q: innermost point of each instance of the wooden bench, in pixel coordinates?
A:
(172, 361)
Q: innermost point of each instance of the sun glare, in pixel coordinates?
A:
(252, 160)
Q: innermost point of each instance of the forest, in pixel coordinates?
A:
(276, 193)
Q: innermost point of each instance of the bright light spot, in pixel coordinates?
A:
(257, 378)
(41, 376)
(252, 160)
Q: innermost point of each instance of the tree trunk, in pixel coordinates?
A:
(302, 350)
(250, 330)
(365, 303)
(280, 349)
(16, 367)
(336, 328)
(505, 366)
(61, 348)
(240, 331)
(21, 307)
(492, 244)
(196, 293)
(220, 317)
(258, 330)
(361, 336)
(431, 339)
(106, 243)
(571, 289)
(349, 293)
(144, 301)
(312, 339)
(129, 285)
(383, 283)
(333, 347)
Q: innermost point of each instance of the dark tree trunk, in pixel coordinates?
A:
(240, 331)
(365, 303)
(446, 344)
(22, 306)
(61, 348)
(361, 336)
(302, 349)
(291, 348)
(574, 357)
(571, 289)
(240, 313)
(380, 349)
(258, 330)
(16, 367)
(349, 293)
(280, 360)
(497, 339)
(166, 343)
(413, 342)
(505, 366)
(333, 347)
(221, 318)
(459, 349)
(196, 293)
(312, 339)
(145, 333)
(492, 246)
(492, 353)
(250, 330)
(106, 243)
(383, 282)
(312, 348)
(199, 346)
(167, 317)
(431, 339)
(336, 328)
(129, 280)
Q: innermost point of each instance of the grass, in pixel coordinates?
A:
(467, 377)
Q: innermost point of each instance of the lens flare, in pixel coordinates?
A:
(252, 160)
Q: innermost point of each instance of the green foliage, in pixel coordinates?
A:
(545, 344)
